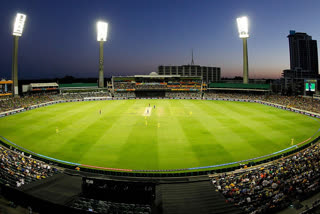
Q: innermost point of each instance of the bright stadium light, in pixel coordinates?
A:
(17, 32)
(243, 28)
(19, 24)
(102, 32)
(102, 28)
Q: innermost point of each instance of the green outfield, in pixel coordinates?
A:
(175, 134)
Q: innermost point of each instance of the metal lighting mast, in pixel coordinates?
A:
(102, 28)
(17, 32)
(243, 33)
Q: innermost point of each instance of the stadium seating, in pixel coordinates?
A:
(26, 101)
(302, 103)
(273, 187)
(298, 102)
(183, 95)
(260, 189)
(157, 83)
(99, 206)
(17, 169)
(124, 94)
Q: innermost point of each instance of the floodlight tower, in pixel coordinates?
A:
(102, 29)
(243, 33)
(17, 32)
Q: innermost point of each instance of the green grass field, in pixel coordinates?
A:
(177, 134)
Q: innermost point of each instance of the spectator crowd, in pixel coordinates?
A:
(299, 102)
(16, 169)
(99, 206)
(26, 101)
(124, 94)
(124, 85)
(157, 85)
(183, 95)
(271, 188)
(260, 190)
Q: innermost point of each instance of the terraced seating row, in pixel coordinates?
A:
(16, 169)
(98, 206)
(273, 187)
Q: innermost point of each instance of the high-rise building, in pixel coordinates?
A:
(303, 52)
(208, 74)
(303, 63)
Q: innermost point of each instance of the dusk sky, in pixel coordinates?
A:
(60, 36)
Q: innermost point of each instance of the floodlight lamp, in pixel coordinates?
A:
(102, 28)
(243, 26)
(19, 24)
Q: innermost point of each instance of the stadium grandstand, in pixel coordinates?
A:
(79, 87)
(40, 87)
(182, 140)
(272, 187)
(154, 85)
(269, 185)
(5, 88)
(240, 87)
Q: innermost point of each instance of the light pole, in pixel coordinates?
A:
(102, 29)
(243, 33)
(17, 32)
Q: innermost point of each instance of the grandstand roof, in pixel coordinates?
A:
(79, 85)
(157, 76)
(3, 81)
(235, 86)
(51, 84)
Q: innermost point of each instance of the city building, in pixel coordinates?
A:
(208, 74)
(303, 52)
(303, 63)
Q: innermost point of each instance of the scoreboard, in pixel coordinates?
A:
(310, 86)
